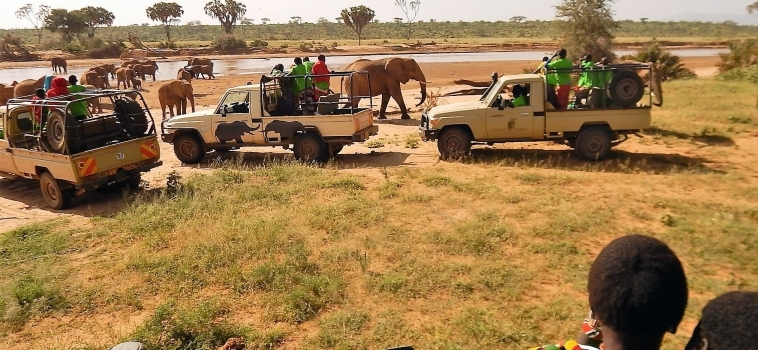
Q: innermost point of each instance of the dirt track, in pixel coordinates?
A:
(22, 203)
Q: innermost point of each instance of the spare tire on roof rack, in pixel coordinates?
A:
(131, 116)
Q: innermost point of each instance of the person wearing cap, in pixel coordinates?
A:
(321, 83)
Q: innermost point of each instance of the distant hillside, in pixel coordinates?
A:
(715, 18)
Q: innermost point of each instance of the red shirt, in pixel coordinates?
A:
(319, 69)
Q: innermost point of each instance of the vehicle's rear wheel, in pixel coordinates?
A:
(454, 142)
(189, 149)
(309, 147)
(593, 143)
(55, 131)
(335, 150)
(626, 88)
(54, 194)
(134, 181)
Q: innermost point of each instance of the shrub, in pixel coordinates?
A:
(741, 54)
(108, 50)
(305, 47)
(748, 74)
(673, 68)
(12, 49)
(258, 43)
(167, 45)
(228, 42)
(73, 47)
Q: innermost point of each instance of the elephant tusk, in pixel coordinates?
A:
(424, 82)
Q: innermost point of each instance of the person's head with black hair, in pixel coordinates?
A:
(298, 60)
(73, 79)
(729, 322)
(322, 58)
(587, 58)
(518, 90)
(40, 93)
(562, 53)
(545, 59)
(638, 291)
(306, 59)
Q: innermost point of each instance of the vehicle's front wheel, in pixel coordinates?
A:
(454, 142)
(309, 147)
(593, 143)
(189, 149)
(55, 196)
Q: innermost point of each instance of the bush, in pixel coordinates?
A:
(305, 47)
(107, 50)
(72, 47)
(741, 54)
(228, 42)
(748, 74)
(673, 68)
(167, 45)
(258, 43)
(12, 49)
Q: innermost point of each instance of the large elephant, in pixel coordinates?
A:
(59, 65)
(28, 87)
(185, 74)
(233, 131)
(6, 92)
(103, 73)
(93, 78)
(204, 70)
(386, 75)
(141, 70)
(175, 93)
(653, 78)
(110, 68)
(93, 103)
(283, 128)
(124, 75)
(194, 61)
(129, 63)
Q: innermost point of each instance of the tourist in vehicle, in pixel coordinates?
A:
(588, 80)
(541, 67)
(308, 65)
(728, 322)
(519, 96)
(78, 109)
(321, 84)
(637, 293)
(39, 95)
(561, 78)
(300, 71)
(277, 70)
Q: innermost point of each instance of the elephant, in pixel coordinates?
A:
(94, 79)
(136, 83)
(194, 61)
(103, 73)
(28, 87)
(143, 69)
(93, 103)
(6, 92)
(110, 68)
(283, 128)
(129, 63)
(233, 131)
(205, 70)
(175, 93)
(124, 75)
(386, 75)
(185, 74)
(59, 65)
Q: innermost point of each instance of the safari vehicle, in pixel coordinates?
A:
(608, 114)
(70, 155)
(268, 115)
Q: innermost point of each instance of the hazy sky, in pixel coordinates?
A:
(133, 11)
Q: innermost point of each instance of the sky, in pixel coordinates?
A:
(133, 11)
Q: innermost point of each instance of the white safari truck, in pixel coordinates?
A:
(72, 154)
(604, 117)
(269, 114)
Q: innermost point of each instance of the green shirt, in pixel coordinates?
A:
(308, 66)
(519, 101)
(300, 83)
(561, 77)
(588, 78)
(77, 108)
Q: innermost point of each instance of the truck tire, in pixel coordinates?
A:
(309, 147)
(131, 116)
(55, 131)
(453, 142)
(335, 150)
(626, 88)
(189, 149)
(593, 143)
(55, 196)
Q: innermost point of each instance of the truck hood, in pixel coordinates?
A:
(190, 116)
(454, 108)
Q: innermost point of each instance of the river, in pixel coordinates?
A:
(167, 70)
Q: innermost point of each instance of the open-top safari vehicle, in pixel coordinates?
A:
(608, 113)
(71, 154)
(269, 114)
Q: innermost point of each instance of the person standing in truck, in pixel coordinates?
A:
(321, 84)
(561, 78)
(78, 109)
(308, 65)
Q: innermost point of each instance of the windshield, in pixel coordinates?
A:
(492, 92)
(239, 97)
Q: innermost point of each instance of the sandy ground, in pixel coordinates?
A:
(22, 203)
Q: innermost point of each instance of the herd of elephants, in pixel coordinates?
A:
(385, 77)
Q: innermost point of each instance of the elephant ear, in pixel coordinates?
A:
(396, 70)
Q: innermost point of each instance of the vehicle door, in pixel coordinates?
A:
(233, 120)
(508, 121)
(7, 164)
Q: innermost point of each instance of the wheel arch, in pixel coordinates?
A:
(464, 127)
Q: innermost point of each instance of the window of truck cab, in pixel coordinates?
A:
(239, 97)
(507, 90)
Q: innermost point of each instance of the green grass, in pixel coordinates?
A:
(488, 253)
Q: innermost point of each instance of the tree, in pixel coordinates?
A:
(323, 20)
(296, 20)
(167, 13)
(410, 8)
(586, 27)
(643, 20)
(518, 19)
(752, 8)
(265, 20)
(193, 23)
(227, 13)
(96, 17)
(36, 17)
(246, 21)
(69, 24)
(398, 20)
(357, 17)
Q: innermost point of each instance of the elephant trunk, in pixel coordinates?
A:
(422, 82)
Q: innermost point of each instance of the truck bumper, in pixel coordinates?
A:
(364, 134)
(167, 137)
(120, 175)
(427, 135)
